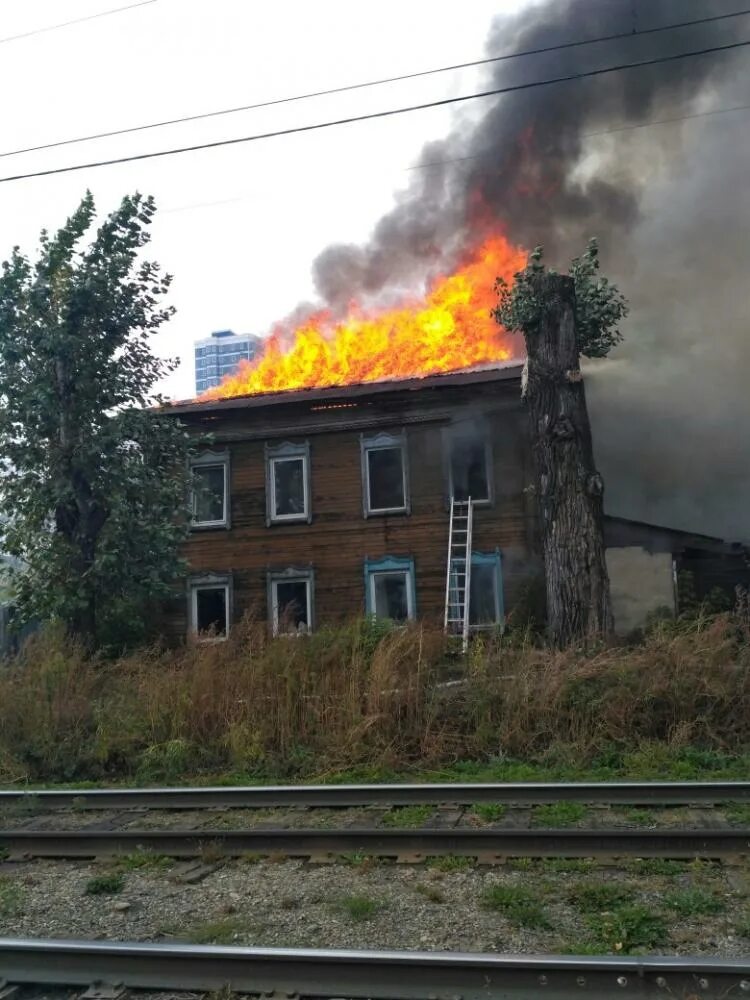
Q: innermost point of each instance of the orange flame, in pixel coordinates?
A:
(450, 328)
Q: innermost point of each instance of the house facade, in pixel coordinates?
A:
(316, 506)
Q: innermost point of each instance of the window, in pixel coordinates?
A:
(210, 504)
(384, 474)
(290, 599)
(469, 465)
(389, 588)
(209, 607)
(288, 483)
(485, 589)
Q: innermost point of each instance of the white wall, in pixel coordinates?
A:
(640, 581)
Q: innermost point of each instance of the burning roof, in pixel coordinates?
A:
(449, 328)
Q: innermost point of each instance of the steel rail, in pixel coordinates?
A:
(378, 975)
(342, 796)
(491, 845)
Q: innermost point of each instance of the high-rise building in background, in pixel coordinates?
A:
(219, 355)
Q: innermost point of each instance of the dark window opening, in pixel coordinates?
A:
(385, 475)
(469, 475)
(208, 496)
(391, 599)
(483, 595)
(288, 486)
(293, 612)
(211, 610)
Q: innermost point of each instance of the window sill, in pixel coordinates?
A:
(209, 640)
(289, 519)
(209, 526)
(388, 511)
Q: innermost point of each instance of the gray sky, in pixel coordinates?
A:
(238, 227)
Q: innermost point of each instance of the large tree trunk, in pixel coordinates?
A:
(569, 488)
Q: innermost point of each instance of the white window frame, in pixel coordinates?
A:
(283, 453)
(390, 566)
(452, 436)
(207, 459)
(292, 574)
(210, 582)
(381, 442)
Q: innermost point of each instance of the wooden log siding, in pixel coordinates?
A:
(339, 538)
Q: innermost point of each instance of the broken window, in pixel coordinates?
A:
(291, 601)
(390, 588)
(469, 467)
(210, 489)
(209, 608)
(384, 474)
(288, 482)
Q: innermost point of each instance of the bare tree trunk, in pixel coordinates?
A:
(569, 488)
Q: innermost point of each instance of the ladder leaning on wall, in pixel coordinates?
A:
(458, 573)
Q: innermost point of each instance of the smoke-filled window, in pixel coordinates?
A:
(288, 482)
(469, 465)
(390, 588)
(290, 600)
(384, 474)
(209, 607)
(485, 590)
(210, 502)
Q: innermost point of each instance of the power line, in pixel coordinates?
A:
(375, 114)
(77, 20)
(370, 83)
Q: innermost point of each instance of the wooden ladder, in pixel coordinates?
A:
(458, 574)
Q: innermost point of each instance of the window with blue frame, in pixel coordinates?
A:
(485, 589)
(389, 588)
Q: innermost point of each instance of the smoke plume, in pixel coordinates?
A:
(669, 203)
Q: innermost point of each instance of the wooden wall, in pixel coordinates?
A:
(339, 538)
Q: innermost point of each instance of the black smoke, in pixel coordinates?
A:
(670, 204)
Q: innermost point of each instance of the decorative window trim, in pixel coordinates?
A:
(391, 564)
(288, 575)
(493, 559)
(376, 443)
(450, 435)
(209, 581)
(283, 451)
(199, 461)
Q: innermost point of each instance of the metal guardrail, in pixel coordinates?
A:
(489, 845)
(341, 796)
(379, 975)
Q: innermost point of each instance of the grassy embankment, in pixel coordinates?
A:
(365, 703)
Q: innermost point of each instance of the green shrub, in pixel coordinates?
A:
(105, 885)
(518, 905)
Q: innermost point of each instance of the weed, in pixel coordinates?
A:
(738, 812)
(408, 816)
(628, 928)
(11, 898)
(522, 864)
(517, 904)
(597, 897)
(558, 814)
(490, 812)
(655, 866)
(105, 885)
(694, 902)
(567, 866)
(211, 853)
(289, 903)
(360, 908)
(451, 863)
(225, 930)
(742, 925)
(250, 858)
(642, 817)
(141, 859)
(431, 892)
(362, 862)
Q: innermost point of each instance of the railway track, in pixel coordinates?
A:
(41, 834)
(660, 793)
(378, 975)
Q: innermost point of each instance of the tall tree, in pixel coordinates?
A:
(562, 317)
(94, 479)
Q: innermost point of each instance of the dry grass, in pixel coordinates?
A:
(361, 695)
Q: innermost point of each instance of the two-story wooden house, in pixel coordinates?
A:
(318, 505)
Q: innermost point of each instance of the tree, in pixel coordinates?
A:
(561, 317)
(93, 479)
